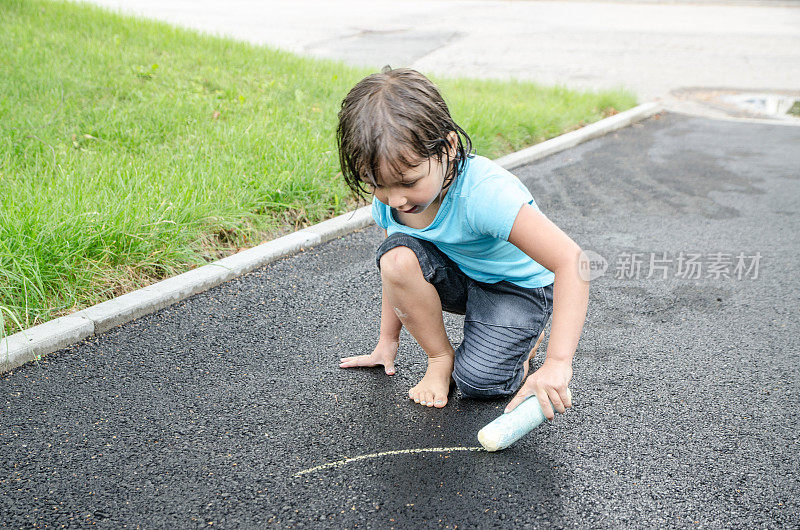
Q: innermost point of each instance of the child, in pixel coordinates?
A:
(465, 236)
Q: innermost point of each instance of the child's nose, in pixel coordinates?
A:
(396, 200)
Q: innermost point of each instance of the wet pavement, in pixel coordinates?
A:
(686, 390)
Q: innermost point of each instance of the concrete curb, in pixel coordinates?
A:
(32, 343)
(571, 139)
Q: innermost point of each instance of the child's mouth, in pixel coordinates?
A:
(415, 209)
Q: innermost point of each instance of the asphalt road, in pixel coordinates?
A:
(686, 390)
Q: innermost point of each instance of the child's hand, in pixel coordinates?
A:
(548, 383)
(384, 354)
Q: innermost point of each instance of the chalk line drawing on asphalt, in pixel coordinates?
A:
(386, 453)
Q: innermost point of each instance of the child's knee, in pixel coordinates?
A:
(477, 381)
(399, 264)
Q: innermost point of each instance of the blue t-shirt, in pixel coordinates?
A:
(473, 224)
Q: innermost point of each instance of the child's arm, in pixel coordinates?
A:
(545, 243)
(390, 322)
(388, 341)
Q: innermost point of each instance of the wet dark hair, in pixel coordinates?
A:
(396, 117)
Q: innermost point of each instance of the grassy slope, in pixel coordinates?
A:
(131, 150)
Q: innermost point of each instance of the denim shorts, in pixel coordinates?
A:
(502, 321)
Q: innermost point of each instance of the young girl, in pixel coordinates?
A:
(465, 236)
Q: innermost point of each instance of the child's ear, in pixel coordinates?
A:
(452, 139)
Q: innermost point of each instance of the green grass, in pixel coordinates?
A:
(131, 151)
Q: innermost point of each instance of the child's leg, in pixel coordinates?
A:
(418, 306)
(501, 323)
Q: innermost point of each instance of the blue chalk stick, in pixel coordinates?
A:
(511, 426)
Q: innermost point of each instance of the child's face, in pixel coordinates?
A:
(416, 189)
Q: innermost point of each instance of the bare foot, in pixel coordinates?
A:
(432, 390)
(527, 365)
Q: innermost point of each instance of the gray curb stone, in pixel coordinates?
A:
(32, 343)
(573, 138)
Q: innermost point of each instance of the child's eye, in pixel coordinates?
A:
(409, 184)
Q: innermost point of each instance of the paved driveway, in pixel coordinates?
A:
(686, 390)
(650, 47)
